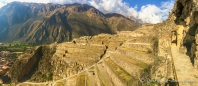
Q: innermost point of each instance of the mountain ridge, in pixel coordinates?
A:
(48, 23)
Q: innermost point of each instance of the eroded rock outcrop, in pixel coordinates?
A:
(24, 64)
(185, 12)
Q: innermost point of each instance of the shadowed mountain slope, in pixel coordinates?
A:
(47, 23)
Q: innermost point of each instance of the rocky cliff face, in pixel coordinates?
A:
(48, 23)
(185, 12)
(179, 32)
(23, 66)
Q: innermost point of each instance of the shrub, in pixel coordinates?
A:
(49, 76)
(149, 51)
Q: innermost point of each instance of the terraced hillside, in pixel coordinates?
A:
(104, 59)
(164, 54)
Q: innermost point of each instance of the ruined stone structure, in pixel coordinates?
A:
(103, 59)
(164, 51)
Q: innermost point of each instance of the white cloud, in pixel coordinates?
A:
(148, 13)
(67, 1)
(37, 1)
(1, 4)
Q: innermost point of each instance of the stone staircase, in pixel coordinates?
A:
(186, 73)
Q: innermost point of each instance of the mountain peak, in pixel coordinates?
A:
(47, 23)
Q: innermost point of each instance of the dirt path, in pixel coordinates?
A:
(186, 73)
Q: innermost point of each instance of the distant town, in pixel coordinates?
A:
(9, 53)
(5, 61)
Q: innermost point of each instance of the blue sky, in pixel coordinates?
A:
(149, 11)
(141, 3)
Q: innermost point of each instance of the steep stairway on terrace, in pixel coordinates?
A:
(187, 75)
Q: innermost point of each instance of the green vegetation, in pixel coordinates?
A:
(100, 77)
(49, 76)
(149, 51)
(44, 72)
(133, 61)
(59, 84)
(121, 73)
(52, 51)
(44, 49)
(87, 80)
(136, 62)
(12, 56)
(150, 83)
(155, 44)
(135, 50)
(16, 49)
(81, 80)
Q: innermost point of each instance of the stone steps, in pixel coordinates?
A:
(186, 73)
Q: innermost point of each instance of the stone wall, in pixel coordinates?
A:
(141, 47)
(164, 47)
(130, 68)
(136, 55)
(186, 13)
(71, 58)
(113, 76)
(98, 83)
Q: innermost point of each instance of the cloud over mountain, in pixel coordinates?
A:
(149, 13)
